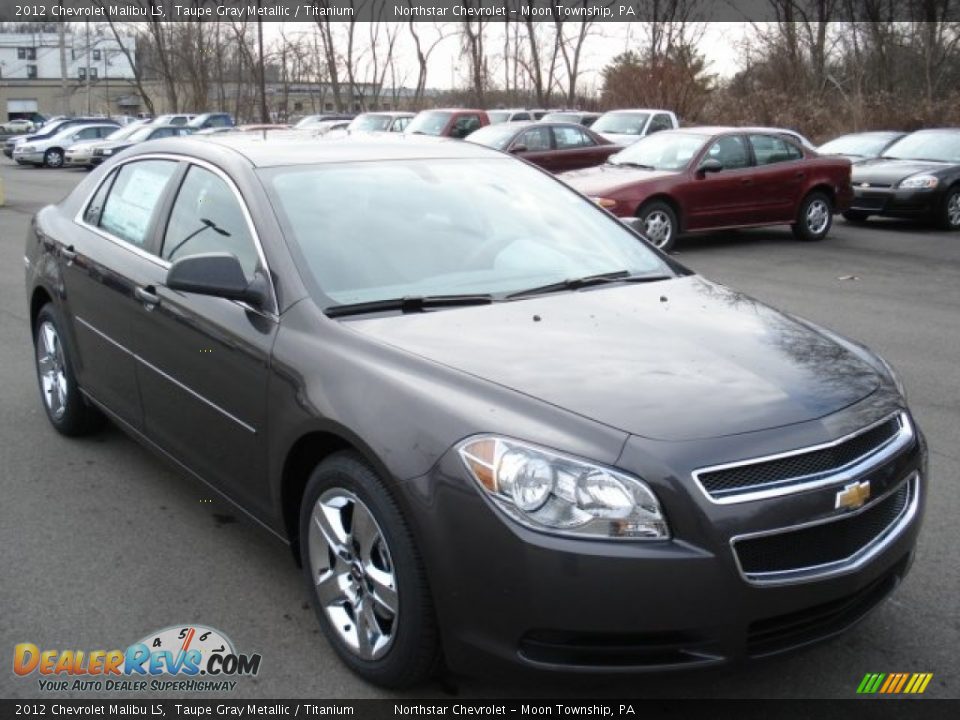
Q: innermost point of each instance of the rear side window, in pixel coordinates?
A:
(91, 215)
(521, 116)
(207, 217)
(465, 124)
(768, 149)
(133, 199)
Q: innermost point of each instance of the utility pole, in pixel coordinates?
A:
(264, 114)
(64, 93)
(86, 62)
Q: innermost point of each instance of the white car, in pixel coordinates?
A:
(50, 152)
(79, 154)
(20, 125)
(625, 127)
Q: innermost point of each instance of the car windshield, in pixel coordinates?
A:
(141, 133)
(370, 123)
(428, 123)
(495, 136)
(941, 146)
(621, 123)
(370, 231)
(561, 117)
(861, 145)
(661, 151)
(123, 133)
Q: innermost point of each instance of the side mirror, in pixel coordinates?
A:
(518, 148)
(218, 274)
(711, 165)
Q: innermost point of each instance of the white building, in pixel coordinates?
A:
(30, 69)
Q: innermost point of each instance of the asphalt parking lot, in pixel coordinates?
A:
(101, 543)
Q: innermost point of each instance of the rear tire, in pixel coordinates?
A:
(949, 218)
(658, 223)
(66, 407)
(814, 218)
(364, 576)
(857, 217)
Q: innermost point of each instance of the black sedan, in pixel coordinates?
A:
(917, 177)
(494, 424)
(861, 146)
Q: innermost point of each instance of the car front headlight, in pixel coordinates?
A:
(554, 493)
(927, 182)
(604, 202)
(894, 376)
(25, 148)
(106, 151)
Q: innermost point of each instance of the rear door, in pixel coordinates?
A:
(204, 361)
(105, 261)
(780, 176)
(725, 198)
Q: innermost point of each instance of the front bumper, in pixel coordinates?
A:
(508, 596)
(894, 202)
(31, 158)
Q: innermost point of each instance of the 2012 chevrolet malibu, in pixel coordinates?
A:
(494, 423)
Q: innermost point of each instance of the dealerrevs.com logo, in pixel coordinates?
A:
(184, 658)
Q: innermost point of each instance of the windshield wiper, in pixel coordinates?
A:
(577, 283)
(627, 163)
(408, 304)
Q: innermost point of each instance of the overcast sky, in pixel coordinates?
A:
(448, 66)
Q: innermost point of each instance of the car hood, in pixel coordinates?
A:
(880, 171)
(620, 138)
(608, 177)
(674, 360)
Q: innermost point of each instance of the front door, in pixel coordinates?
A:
(725, 198)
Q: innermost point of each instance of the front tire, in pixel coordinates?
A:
(53, 158)
(659, 224)
(950, 210)
(814, 218)
(364, 575)
(66, 408)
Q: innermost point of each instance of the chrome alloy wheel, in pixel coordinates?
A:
(353, 573)
(658, 228)
(953, 210)
(52, 370)
(818, 216)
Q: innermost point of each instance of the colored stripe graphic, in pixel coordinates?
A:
(894, 683)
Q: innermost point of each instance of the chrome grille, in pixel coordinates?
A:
(827, 546)
(807, 467)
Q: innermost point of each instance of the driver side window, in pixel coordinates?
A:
(207, 217)
(731, 151)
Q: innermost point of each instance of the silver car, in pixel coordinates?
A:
(50, 152)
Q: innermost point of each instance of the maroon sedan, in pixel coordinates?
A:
(556, 147)
(703, 179)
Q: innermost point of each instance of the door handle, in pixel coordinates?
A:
(147, 296)
(746, 181)
(68, 253)
(800, 175)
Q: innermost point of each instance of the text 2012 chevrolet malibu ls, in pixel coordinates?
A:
(487, 416)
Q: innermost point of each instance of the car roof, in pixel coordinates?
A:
(637, 110)
(294, 149)
(454, 110)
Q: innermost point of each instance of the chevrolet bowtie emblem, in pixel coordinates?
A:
(864, 184)
(853, 495)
